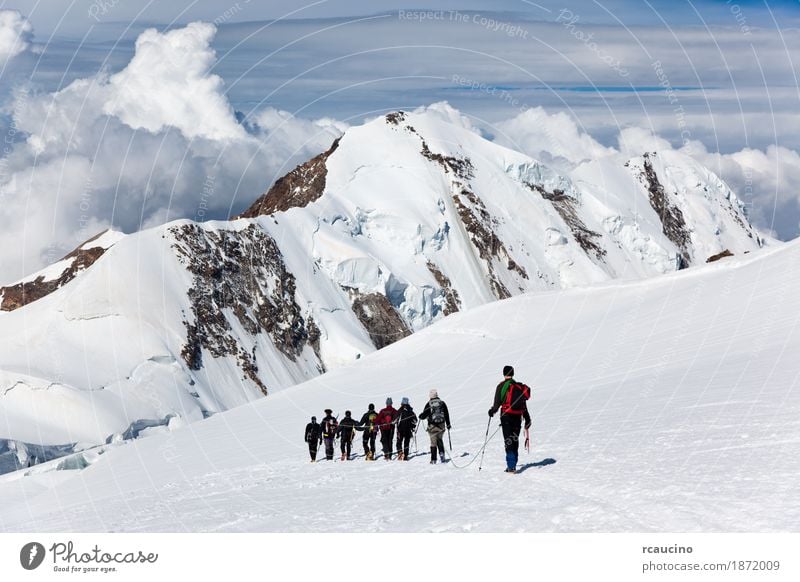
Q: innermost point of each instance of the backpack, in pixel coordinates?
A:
(406, 421)
(437, 411)
(513, 397)
(373, 416)
(330, 426)
(385, 420)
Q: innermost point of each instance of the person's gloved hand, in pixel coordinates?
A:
(491, 413)
(448, 427)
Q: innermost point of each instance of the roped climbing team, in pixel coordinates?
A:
(397, 427)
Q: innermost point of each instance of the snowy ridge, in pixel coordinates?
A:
(661, 405)
(404, 220)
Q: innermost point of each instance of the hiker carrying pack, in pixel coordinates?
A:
(330, 427)
(406, 424)
(438, 422)
(386, 421)
(313, 436)
(511, 399)
(369, 424)
(347, 429)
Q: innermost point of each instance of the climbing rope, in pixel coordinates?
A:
(481, 450)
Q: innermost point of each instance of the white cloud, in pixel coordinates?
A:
(15, 34)
(168, 83)
(286, 135)
(446, 112)
(634, 141)
(550, 138)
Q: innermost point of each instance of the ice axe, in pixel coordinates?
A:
(527, 440)
(485, 441)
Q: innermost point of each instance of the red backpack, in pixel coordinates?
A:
(386, 418)
(513, 398)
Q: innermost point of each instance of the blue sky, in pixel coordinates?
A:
(74, 17)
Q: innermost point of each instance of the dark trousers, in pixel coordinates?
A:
(403, 444)
(329, 447)
(312, 450)
(346, 445)
(369, 442)
(511, 425)
(387, 436)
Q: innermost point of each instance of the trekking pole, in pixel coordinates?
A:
(527, 441)
(485, 440)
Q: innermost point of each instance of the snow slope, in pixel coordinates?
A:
(668, 404)
(406, 219)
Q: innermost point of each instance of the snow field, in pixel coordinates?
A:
(669, 404)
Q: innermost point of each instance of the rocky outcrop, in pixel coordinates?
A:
(452, 302)
(381, 320)
(566, 206)
(461, 167)
(297, 189)
(672, 222)
(478, 224)
(396, 117)
(718, 256)
(240, 279)
(15, 296)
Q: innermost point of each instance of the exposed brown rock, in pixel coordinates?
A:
(452, 302)
(15, 296)
(718, 256)
(380, 319)
(314, 337)
(462, 168)
(297, 189)
(242, 275)
(565, 206)
(486, 242)
(673, 224)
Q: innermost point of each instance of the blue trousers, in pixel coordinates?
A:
(511, 425)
